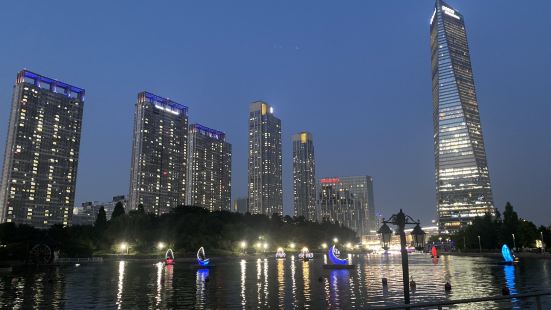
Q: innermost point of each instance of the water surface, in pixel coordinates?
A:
(266, 283)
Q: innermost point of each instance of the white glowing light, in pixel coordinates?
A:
(432, 17)
(450, 12)
(168, 109)
(271, 110)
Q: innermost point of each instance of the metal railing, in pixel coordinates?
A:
(440, 304)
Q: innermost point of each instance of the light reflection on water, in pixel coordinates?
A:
(289, 283)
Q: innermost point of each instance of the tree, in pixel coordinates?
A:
(101, 219)
(118, 211)
(510, 225)
(141, 209)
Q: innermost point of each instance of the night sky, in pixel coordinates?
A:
(355, 73)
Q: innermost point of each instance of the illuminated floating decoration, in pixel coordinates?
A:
(280, 254)
(508, 257)
(305, 254)
(337, 263)
(169, 257)
(333, 253)
(202, 260)
(434, 252)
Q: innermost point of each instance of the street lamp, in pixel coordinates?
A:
(124, 247)
(324, 245)
(335, 240)
(400, 220)
(243, 245)
(542, 244)
(479, 244)
(514, 243)
(349, 245)
(386, 234)
(292, 245)
(160, 246)
(265, 246)
(418, 237)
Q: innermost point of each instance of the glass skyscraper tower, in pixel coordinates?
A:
(42, 150)
(159, 154)
(264, 178)
(304, 176)
(463, 189)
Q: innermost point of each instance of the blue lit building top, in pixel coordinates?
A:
(26, 76)
(208, 131)
(162, 103)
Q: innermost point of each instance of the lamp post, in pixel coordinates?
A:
(479, 244)
(418, 237)
(514, 243)
(542, 244)
(401, 220)
(243, 246)
(124, 247)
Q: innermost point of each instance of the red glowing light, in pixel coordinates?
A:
(330, 180)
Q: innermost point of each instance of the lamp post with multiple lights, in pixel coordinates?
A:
(401, 220)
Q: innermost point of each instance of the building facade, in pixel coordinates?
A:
(348, 201)
(42, 150)
(304, 176)
(87, 212)
(159, 154)
(463, 189)
(265, 161)
(209, 169)
(240, 205)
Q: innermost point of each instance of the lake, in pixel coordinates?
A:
(266, 283)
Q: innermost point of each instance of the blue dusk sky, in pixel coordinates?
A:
(355, 73)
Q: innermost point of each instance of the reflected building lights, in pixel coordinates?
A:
(293, 280)
(201, 287)
(159, 283)
(306, 280)
(120, 284)
(266, 291)
(258, 280)
(281, 283)
(243, 281)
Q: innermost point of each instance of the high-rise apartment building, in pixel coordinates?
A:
(348, 201)
(41, 160)
(159, 154)
(304, 176)
(463, 189)
(265, 172)
(209, 169)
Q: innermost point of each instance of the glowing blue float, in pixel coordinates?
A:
(508, 257)
(202, 260)
(336, 262)
(333, 257)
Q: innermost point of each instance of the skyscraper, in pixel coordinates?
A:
(159, 154)
(304, 176)
(264, 179)
(462, 178)
(209, 169)
(42, 149)
(349, 201)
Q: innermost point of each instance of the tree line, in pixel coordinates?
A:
(494, 231)
(185, 229)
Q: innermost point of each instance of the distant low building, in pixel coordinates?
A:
(86, 213)
(349, 201)
(240, 205)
